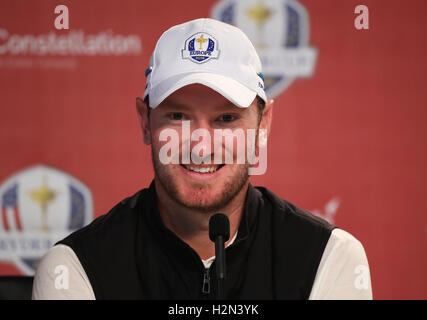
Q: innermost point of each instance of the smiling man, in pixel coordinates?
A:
(204, 87)
(190, 193)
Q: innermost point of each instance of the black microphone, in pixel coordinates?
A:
(219, 232)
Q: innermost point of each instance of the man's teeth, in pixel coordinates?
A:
(202, 170)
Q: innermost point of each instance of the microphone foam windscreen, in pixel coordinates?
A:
(219, 225)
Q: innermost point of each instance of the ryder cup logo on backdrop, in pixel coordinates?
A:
(39, 206)
(279, 30)
(200, 47)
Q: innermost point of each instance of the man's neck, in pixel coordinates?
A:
(192, 226)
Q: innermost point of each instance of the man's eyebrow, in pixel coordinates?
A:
(228, 106)
(169, 104)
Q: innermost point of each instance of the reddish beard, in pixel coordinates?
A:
(200, 197)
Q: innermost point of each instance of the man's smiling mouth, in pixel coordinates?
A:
(203, 169)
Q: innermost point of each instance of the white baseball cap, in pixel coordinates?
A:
(209, 52)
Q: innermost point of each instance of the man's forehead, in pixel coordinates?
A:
(196, 96)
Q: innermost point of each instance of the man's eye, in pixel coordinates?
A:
(227, 118)
(177, 116)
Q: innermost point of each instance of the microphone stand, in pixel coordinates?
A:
(220, 266)
(219, 232)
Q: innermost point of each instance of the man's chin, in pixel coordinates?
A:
(201, 199)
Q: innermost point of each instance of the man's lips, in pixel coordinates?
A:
(203, 168)
(202, 172)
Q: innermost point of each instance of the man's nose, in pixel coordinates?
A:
(201, 143)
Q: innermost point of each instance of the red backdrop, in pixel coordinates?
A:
(353, 131)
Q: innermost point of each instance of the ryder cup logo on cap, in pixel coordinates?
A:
(209, 52)
(200, 48)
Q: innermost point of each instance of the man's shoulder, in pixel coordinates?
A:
(286, 212)
(294, 233)
(110, 239)
(58, 262)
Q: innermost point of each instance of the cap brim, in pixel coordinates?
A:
(231, 89)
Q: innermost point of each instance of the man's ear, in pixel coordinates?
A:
(267, 116)
(144, 120)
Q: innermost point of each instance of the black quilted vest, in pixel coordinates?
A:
(129, 254)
